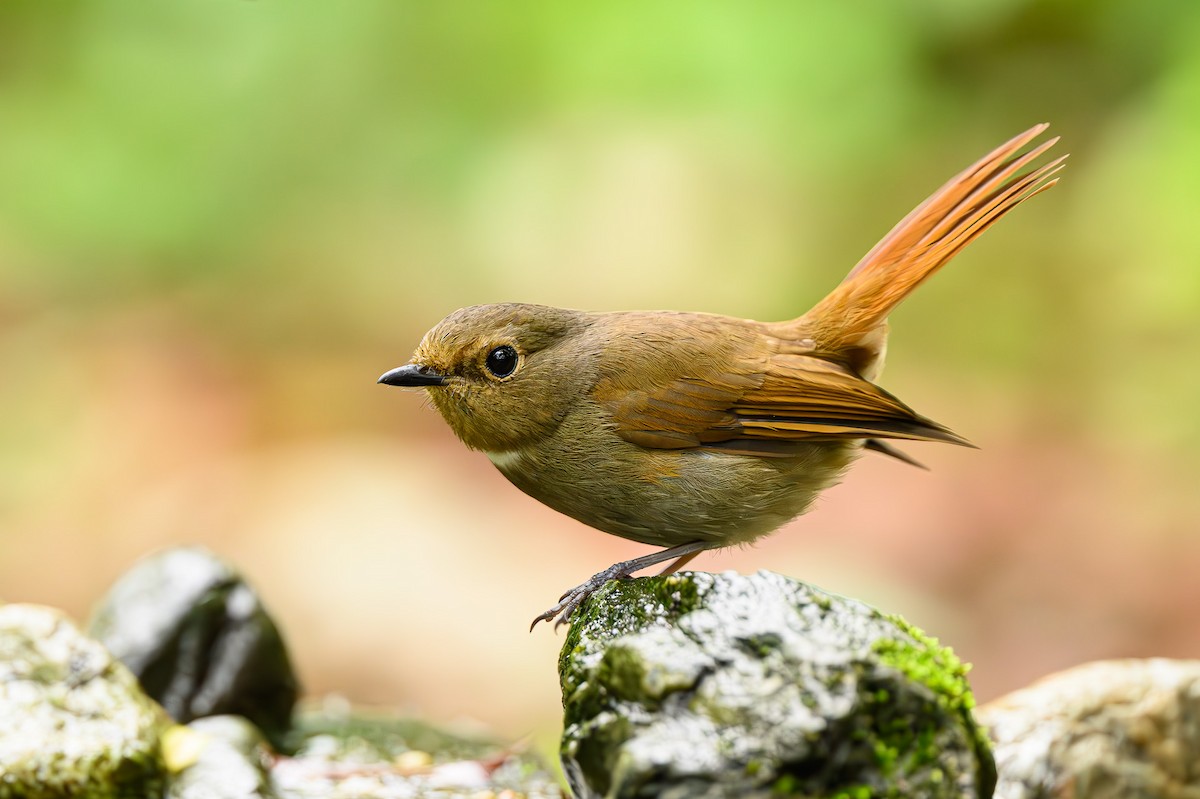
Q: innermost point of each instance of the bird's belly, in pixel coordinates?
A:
(669, 497)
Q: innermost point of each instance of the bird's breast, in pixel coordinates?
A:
(668, 497)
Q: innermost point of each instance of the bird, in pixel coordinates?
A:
(696, 431)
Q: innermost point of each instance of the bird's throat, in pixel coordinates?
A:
(505, 460)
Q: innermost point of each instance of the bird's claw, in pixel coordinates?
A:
(574, 597)
(563, 610)
(566, 605)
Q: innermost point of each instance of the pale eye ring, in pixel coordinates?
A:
(501, 362)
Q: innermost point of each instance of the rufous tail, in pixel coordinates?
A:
(853, 314)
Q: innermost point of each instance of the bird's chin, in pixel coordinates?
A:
(457, 411)
(448, 398)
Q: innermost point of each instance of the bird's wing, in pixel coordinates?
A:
(803, 397)
(749, 398)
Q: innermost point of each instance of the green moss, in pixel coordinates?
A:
(785, 785)
(855, 792)
(927, 662)
(676, 593)
(761, 646)
(623, 673)
(885, 756)
(380, 736)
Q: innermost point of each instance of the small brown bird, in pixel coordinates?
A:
(693, 431)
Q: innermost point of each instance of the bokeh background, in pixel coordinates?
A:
(220, 222)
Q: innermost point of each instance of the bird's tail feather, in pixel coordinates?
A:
(853, 314)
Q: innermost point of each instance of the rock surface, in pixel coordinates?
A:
(202, 643)
(699, 685)
(219, 757)
(199, 640)
(355, 756)
(73, 721)
(1122, 729)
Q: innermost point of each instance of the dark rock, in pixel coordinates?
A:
(73, 721)
(199, 640)
(700, 685)
(1121, 729)
(219, 757)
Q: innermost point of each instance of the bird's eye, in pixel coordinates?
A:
(502, 361)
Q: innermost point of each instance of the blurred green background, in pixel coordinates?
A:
(220, 222)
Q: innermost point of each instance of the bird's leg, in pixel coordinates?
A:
(679, 563)
(575, 597)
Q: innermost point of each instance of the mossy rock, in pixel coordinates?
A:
(73, 720)
(700, 685)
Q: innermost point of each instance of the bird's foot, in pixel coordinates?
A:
(569, 601)
(576, 596)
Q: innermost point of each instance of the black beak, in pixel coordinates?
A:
(412, 374)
